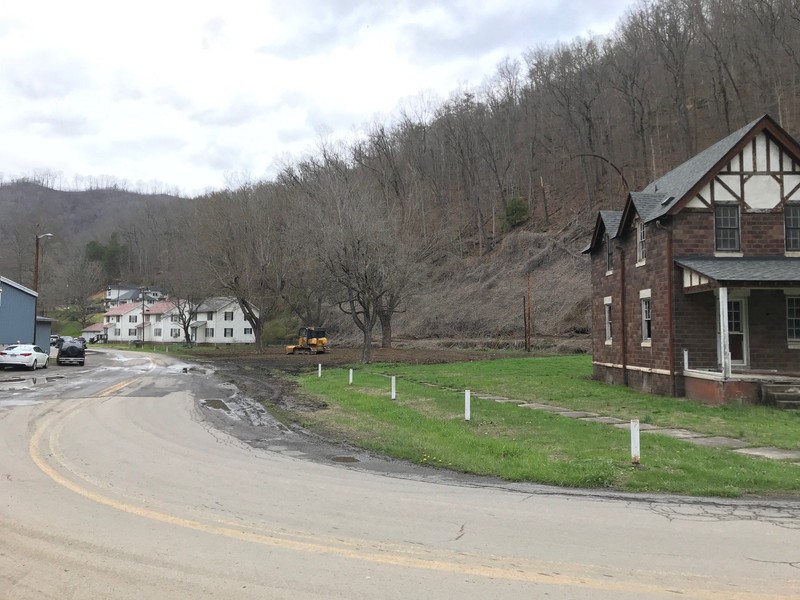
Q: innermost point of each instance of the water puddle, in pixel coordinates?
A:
(217, 404)
(344, 459)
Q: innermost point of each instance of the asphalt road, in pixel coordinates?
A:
(140, 477)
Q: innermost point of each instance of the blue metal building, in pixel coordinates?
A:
(18, 322)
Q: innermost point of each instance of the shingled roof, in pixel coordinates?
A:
(778, 270)
(673, 186)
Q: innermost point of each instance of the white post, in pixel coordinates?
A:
(319, 370)
(467, 411)
(394, 388)
(685, 359)
(351, 376)
(724, 334)
(635, 441)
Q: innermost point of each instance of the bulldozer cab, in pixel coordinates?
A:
(310, 340)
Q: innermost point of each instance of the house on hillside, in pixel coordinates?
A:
(158, 323)
(696, 282)
(118, 294)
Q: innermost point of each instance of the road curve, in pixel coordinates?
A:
(131, 492)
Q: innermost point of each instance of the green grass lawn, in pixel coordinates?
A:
(425, 424)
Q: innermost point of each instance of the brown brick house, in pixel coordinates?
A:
(696, 282)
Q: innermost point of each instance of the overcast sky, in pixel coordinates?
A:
(197, 94)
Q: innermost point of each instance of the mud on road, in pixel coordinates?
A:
(265, 408)
(262, 377)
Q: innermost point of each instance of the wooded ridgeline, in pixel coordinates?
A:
(414, 211)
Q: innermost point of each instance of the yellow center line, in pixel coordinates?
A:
(523, 570)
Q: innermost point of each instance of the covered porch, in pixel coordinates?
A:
(745, 344)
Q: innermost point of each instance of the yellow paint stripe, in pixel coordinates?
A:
(110, 391)
(523, 570)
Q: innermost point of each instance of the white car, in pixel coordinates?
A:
(23, 355)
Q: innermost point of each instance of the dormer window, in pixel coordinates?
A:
(641, 242)
(726, 227)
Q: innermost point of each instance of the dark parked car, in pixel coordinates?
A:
(71, 352)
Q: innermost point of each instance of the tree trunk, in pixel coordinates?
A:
(386, 330)
(366, 349)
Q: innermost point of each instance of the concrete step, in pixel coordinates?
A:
(788, 404)
(781, 395)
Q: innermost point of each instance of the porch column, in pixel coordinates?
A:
(724, 337)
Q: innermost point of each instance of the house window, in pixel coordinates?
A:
(607, 312)
(173, 318)
(229, 316)
(210, 316)
(118, 319)
(609, 255)
(248, 331)
(158, 318)
(647, 322)
(793, 319)
(157, 332)
(641, 242)
(791, 216)
(209, 332)
(133, 319)
(726, 227)
(117, 332)
(175, 332)
(132, 332)
(228, 332)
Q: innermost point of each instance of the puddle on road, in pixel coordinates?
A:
(345, 459)
(217, 404)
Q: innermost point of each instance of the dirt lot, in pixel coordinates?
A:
(259, 377)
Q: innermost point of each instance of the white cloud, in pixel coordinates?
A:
(188, 92)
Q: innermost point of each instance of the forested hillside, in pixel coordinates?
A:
(429, 223)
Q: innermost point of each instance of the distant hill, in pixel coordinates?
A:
(84, 213)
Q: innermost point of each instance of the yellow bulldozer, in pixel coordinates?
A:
(310, 340)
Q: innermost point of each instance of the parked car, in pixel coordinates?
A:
(82, 340)
(62, 339)
(53, 340)
(23, 355)
(71, 352)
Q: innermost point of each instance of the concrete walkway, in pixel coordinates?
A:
(699, 439)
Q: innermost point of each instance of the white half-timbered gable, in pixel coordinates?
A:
(760, 177)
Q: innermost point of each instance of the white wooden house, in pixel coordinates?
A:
(220, 320)
(217, 320)
(121, 323)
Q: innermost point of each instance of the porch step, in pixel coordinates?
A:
(783, 396)
(788, 404)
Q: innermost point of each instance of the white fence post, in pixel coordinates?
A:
(467, 407)
(319, 370)
(351, 376)
(635, 441)
(394, 388)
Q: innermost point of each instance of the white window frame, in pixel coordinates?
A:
(209, 332)
(609, 256)
(227, 332)
(133, 332)
(248, 331)
(641, 243)
(647, 317)
(157, 332)
(608, 316)
(228, 316)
